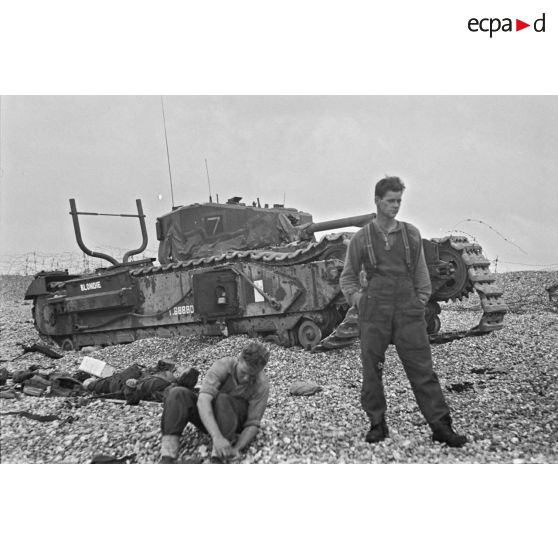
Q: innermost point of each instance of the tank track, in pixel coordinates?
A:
(484, 284)
(291, 254)
(479, 280)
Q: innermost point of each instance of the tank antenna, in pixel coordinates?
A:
(208, 183)
(167, 145)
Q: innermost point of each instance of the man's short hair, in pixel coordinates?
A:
(389, 183)
(255, 354)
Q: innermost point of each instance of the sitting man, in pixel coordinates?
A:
(232, 400)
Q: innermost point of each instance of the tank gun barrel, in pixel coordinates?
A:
(356, 221)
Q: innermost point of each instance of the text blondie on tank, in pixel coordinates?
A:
(231, 268)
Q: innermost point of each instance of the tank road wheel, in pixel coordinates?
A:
(67, 344)
(433, 322)
(433, 325)
(456, 286)
(309, 334)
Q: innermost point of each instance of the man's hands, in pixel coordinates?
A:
(224, 451)
(223, 448)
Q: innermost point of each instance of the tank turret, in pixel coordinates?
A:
(203, 229)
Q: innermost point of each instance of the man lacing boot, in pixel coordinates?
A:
(445, 434)
(377, 433)
(169, 448)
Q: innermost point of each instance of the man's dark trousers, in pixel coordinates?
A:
(180, 407)
(391, 312)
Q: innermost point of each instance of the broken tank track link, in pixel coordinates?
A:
(478, 278)
(328, 247)
(483, 283)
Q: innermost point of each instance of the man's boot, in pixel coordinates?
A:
(443, 432)
(188, 378)
(377, 433)
(169, 448)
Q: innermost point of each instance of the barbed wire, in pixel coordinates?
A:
(549, 266)
(30, 263)
(495, 261)
(492, 229)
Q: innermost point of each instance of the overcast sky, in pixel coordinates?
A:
(492, 159)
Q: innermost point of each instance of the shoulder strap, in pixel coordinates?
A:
(405, 237)
(369, 246)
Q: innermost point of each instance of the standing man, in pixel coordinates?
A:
(230, 405)
(392, 310)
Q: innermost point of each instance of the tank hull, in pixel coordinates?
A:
(122, 305)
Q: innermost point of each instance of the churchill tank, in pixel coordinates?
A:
(235, 268)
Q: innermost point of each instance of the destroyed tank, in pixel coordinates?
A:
(230, 268)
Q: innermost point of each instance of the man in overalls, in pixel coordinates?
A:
(392, 310)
